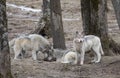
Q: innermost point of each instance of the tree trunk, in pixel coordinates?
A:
(44, 22)
(97, 24)
(85, 9)
(5, 65)
(57, 25)
(116, 6)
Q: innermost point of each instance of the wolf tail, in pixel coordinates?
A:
(101, 50)
(11, 43)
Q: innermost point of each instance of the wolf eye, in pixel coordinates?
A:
(80, 41)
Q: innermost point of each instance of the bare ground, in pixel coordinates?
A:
(20, 21)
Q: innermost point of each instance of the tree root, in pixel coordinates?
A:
(115, 47)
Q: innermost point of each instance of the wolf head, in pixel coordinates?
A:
(49, 55)
(79, 37)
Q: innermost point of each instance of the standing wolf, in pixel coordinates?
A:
(34, 43)
(85, 43)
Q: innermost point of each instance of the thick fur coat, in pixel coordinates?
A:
(89, 42)
(71, 57)
(34, 43)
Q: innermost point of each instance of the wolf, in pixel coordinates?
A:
(71, 57)
(83, 44)
(35, 43)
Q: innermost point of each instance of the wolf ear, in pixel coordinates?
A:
(82, 34)
(76, 34)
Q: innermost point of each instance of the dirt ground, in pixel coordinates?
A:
(21, 21)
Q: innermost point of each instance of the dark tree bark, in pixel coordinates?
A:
(116, 6)
(99, 22)
(95, 22)
(57, 25)
(85, 9)
(44, 21)
(5, 65)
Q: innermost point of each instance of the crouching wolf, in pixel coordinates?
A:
(35, 43)
(83, 44)
(70, 57)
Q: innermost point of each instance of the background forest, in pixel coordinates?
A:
(23, 17)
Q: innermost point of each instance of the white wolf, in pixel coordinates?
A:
(12, 42)
(34, 43)
(70, 57)
(86, 43)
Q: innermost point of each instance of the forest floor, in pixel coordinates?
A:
(21, 21)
